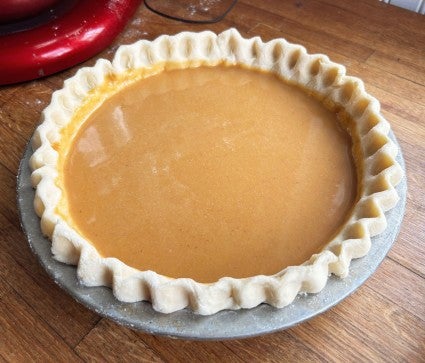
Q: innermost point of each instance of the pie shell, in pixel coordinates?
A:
(379, 171)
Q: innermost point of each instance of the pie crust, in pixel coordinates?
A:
(379, 171)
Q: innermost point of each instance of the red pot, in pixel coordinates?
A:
(83, 31)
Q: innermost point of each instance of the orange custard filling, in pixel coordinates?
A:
(209, 172)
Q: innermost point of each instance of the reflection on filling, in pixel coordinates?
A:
(210, 172)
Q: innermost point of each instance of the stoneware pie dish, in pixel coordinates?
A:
(212, 172)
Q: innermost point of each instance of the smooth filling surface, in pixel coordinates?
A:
(210, 172)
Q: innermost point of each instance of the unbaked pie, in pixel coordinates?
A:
(212, 172)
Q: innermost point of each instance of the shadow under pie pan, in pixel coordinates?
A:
(227, 324)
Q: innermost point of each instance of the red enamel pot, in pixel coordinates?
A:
(70, 32)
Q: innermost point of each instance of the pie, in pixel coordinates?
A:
(212, 172)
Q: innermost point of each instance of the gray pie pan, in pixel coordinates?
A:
(185, 324)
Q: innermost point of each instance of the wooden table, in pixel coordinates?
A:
(383, 321)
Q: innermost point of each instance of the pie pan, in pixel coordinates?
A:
(374, 153)
(226, 324)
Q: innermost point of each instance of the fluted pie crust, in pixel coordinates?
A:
(379, 172)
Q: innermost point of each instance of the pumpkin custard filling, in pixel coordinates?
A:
(209, 172)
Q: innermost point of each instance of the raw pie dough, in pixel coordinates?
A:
(197, 207)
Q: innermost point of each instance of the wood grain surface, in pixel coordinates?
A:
(383, 321)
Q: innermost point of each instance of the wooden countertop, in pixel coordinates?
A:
(383, 321)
